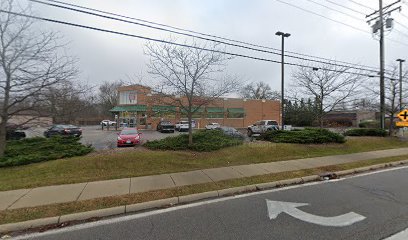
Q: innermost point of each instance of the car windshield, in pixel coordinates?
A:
(166, 123)
(129, 132)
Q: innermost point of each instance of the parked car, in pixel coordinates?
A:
(165, 126)
(128, 137)
(212, 126)
(63, 130)
(232, 132)
(262, 127)
(108, 123)
(14, 132)
(182, 126)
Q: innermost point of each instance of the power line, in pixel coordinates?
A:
(320, 15)
(336, 21)
(194, 32)
(335, 10)
(174, 43)
(361, 5)
(345, 7)
(202, 38)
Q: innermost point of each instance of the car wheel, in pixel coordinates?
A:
(172, 131)
(250, 133)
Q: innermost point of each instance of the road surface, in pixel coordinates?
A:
(371, 206)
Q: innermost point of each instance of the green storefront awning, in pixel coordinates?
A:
(194, 109)
(164, 108)
(132, 108)
(236, 110)
(215, 110)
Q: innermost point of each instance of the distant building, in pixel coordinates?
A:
(347, 118)
(137, 106)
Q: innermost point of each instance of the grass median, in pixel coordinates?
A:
(141, 162)
(25, 214)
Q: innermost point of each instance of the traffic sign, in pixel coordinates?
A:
(403, 115)
(401, 124)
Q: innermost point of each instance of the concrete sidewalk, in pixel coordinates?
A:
(82, 191)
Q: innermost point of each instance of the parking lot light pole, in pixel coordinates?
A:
(400, 82)
(283, 35)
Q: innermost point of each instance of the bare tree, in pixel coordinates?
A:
(392, 86)
(108, 95)
(66, 101)
(30, 63)
(329, 84)
(259, 90)
(189, 77)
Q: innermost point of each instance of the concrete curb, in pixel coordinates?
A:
(198, 196)
(152, 204)
(28, 224)
(5, 228)
(236, 190)
(92, 214)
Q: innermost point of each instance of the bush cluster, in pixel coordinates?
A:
(369, 124)
(39, 149)
(203, 141)
(376, 132)
(306, 136)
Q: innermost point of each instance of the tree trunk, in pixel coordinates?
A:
(190, 128)
(3, 133)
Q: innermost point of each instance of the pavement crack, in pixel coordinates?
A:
(86, 184)
(25, 194)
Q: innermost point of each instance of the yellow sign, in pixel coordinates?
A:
(401, 124)
(403, 115)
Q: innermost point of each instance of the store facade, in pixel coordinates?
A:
(138, 107)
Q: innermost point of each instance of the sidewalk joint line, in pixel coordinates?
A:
(81, 191)
(207, 175)
(19, 198)
(130, 184)
(173, 180)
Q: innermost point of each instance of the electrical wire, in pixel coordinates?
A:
(175, 43)
(202, 38)
(336, 21)
(203, 34)
(335, 10)
(362, 5)
(345, 7)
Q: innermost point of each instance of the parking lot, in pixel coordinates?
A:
(103, 139)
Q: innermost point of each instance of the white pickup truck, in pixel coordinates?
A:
(262, 127)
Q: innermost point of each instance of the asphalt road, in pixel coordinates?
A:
(381, 199)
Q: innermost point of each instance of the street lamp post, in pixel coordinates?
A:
(400, 82)
(283, 35)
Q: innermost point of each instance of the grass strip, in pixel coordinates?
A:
(25, 214)
(126, 163)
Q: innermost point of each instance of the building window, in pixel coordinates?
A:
(236, 113)
(165, 112)
(215, 112)
(197, 114)
(127, 97)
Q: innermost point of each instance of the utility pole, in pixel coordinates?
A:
(382, 87)
(400, 82)
(283, 35)
(379, 25)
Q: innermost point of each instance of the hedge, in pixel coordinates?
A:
(377, 132)
(306, 136)
(203, 141)
(39, 149)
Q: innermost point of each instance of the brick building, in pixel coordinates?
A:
(137, 106)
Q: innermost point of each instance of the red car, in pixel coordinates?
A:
(128, 137)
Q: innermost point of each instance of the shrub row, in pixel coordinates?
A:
(377, 132)
(203, 141)
(39, 149)
(306, 136)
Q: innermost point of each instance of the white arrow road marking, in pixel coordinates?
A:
(399, 236)
(275, 208)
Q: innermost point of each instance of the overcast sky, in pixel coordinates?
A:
(107, 57)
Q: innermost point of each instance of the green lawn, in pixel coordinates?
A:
(111, 165)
